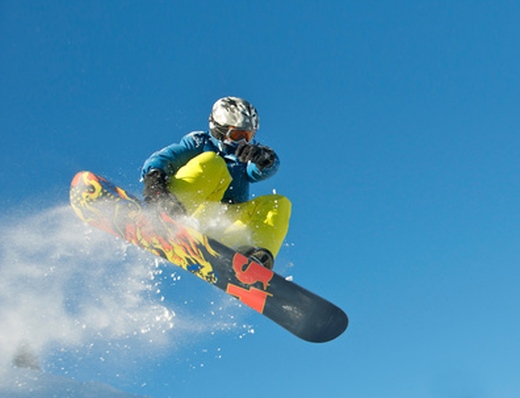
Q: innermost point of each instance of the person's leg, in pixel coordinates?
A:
(261, 222)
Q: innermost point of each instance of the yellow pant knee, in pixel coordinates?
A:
(205, 178)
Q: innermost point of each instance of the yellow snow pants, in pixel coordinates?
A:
(261, 222)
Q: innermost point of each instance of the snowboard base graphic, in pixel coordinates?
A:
(101, 204)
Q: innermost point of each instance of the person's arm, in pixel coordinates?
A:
(174, 156)
(262, 161)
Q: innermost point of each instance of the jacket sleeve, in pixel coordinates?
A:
(256, 174)
(173, 157)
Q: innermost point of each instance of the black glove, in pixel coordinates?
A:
(260, 155)
(156, 193)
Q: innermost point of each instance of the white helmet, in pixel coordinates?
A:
(232, 112)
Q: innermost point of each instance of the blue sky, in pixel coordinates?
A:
(397, 126)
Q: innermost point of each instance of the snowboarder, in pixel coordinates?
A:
(207, 175)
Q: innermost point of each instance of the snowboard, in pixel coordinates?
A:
(100, 203)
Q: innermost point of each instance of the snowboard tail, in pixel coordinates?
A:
(103, 205)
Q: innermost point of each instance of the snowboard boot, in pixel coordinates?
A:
(260, 255)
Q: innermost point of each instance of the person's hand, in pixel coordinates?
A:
(260, 155)
(156, 193)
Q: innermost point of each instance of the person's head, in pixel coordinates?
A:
(233, 120)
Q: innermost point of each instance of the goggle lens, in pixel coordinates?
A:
(238, 135)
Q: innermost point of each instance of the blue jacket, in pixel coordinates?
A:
(173, 157)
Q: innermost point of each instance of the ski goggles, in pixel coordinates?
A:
(237, 135)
